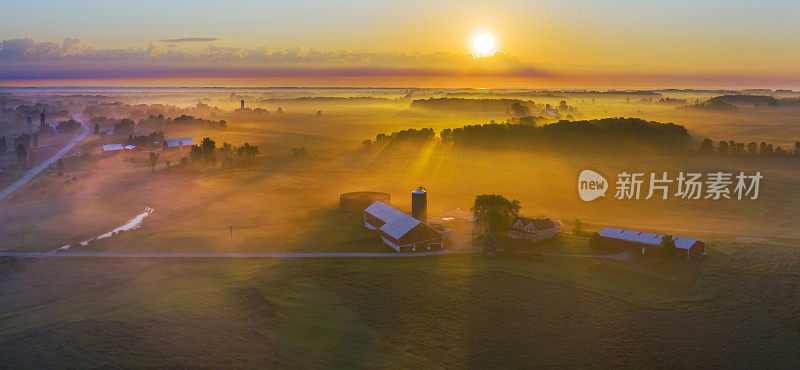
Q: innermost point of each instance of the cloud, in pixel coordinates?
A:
(26, 59)
(169, 52)
(80, 73)
(191, 39)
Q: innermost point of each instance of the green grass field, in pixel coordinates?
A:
(451, 311)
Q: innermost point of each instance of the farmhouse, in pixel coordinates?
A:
(534, 230)
(401, 231)
(178, 143)
(648, 243)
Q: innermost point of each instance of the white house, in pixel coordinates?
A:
(534, 230)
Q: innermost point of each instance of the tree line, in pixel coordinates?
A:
(25, 143)
(126, 126)
(608, 134)
(611, 135)
(207, 152)
(733, 148)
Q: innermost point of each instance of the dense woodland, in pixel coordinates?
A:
(609, 134)
(155, 123)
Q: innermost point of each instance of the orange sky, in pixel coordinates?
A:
(546, 43)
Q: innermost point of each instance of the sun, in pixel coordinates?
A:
(483, 44)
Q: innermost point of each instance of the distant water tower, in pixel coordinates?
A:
(419, 204)
(242, 103)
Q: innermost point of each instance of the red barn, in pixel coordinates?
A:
(648, 243)
(400, 231)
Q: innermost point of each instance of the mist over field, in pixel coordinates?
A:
(264, 173)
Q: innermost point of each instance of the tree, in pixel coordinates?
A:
(595, 242)
(153, 161)
(752, 149)
(22, 155)
(578, 228)
(707, 147)
(247, 152)
(723, 148)
(124, 127)
(667, 247)
(300, 152)
(520, 110)
(319, 113)
(207, 149)
(495, 211)
(97, 129)
(227, 154)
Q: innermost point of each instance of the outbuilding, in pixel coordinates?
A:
(648, 243)
(178, 143)
(112, 148)
(401, 231)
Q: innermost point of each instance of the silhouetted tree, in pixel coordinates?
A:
(495, 211)
(752, 149)
(578, 228)
(247, 152)
(520, 110)
(595, 242)
(300, 152)
(667, 247)
(722, 148)
(22, 155)
(96, 129)
(707, 147)
(153, 161)
(765, 149)
(124, 127)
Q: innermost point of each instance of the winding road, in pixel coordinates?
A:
(42, 166)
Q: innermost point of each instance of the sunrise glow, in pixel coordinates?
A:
(483, 44)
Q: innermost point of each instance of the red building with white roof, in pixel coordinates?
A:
(648, 243)
(400, 231)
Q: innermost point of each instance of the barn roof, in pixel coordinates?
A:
(179, 141)
(396, 223)
(112, 147)
(644, 238)
(538, 223)
(129, 147)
